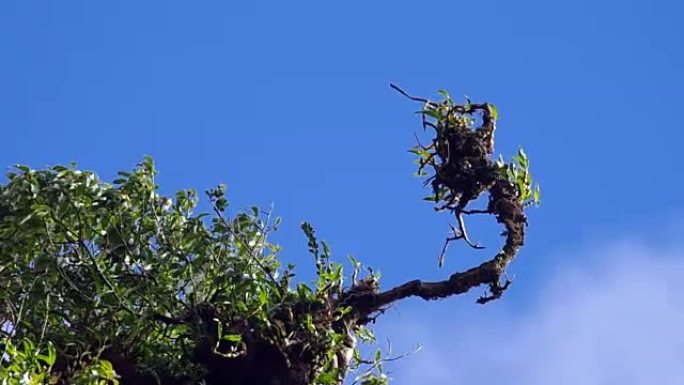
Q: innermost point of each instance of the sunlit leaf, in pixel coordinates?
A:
(492, 111)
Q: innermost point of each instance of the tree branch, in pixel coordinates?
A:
(465, 172)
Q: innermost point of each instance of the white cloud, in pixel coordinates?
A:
(618, 319)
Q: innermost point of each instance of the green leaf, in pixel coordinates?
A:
(26, 219)
(492, 111)
(420, 152)
(500, 163)
(327, 378)
(232, 338)
(444, 94)
(432, 113)
(52, 354)
(521, 153)
(521, 158)
(365, 334)
(22, 167)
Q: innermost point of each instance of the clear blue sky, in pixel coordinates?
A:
(288, 102)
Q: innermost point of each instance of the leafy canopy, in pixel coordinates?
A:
(93, 270)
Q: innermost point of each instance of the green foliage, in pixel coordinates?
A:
(448, 119)
(518, 173)
(99, 269)
(97, 372)
(88, 265)
(25, 363)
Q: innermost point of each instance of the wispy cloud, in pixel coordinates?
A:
(616, 320)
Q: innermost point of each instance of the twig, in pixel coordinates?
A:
(246, 245)
(389, 352)
(470, 212)
(496, 290)
(458, 234)
(83, 246)
(442, 255)
(387, 358)
(419, 143)
(414, 98)
(464, 234)
(45, 322)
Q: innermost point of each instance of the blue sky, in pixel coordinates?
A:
(288, 103)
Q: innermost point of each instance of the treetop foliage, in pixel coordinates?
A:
(108, 283)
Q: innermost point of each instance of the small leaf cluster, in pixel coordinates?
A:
(518, 174)
(463, 140)
(26, 363)
(333, 328)
(457, 150)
